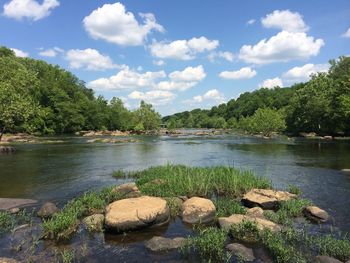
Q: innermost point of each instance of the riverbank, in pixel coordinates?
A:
(228, 213)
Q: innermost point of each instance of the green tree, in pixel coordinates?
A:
(147, 116)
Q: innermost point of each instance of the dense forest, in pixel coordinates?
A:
(37, 97)
(321, 105)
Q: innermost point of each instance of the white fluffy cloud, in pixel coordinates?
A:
(283, 47)
(285, 20)
(30, 9)
(20, 53)
(182, 49)
(89, 59)
(221, 54)
(212, 95)
(113, 23)
(159, 62)
(301, 74)
(156, 97)
(51, 52)
(271, 83)
(347, 33)
(127, 79)
(243, 73)
(251, 22)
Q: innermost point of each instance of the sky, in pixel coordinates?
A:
(183, 54)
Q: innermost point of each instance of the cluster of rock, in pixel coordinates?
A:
(7, 149)
(102, 133)
(19, 137)
(110, 140)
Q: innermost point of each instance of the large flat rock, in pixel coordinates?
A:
(8, 203)
(266, 198)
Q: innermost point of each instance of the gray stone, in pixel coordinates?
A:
(94, 222)
(316, 214)
(241, 250)
(157, 243)
(7, 149)
(8, 203)
(47, 210)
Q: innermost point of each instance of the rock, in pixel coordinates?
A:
(128, 189)
(8, 260)
(198, 210)
(255, 212)
(266, 198)
(327, 137)
(243, 251)
(326, 259)
(47, 210)
(316, 214)
(94, 222)
(227, 222)
(8, 203)
(7, 149)
(134, 213)
(158, 243)
(345, 170)
(14, 210)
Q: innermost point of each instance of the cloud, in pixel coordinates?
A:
(127, 79)
(183, 80)
(51, 52)
(158, 62)
(285, 20)
(301, 74)
(271, 83)
(213, 96)
(221, 54)
(347, 33)
(20, 53)
(251, 22)
(89, 59)
(113, 23)
(243, 73)
(30, 9)
(182, 49)
(283, 47)
(156, 97)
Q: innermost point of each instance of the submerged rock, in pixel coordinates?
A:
(7, 149)
(316, 214)
(241, 250)
(134, 213)
(198, 210)
(326, 259)
(227, 222)
(47, 210)
(158, 243)
(266, 198)
(94, 222)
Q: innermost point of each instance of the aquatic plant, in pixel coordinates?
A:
(246, 231)
(294, 189)
(226, 207)
(329, 245)
(9, 221)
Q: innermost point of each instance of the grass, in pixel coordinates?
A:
(9, 221)
(180, 180)
(174, 206)
(68, 256)
(288, 210)
(63, 224)
(209, 245)
(226, 207)
(328, 245)
(294, 190)
(246, 231)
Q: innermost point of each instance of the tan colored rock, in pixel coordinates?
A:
(8, 203)
(129, 189)
(241, 250)
(47, 210)
(266, 198)
(326, 259)
(317, 214)
(94, 222)
(255, 212)
(227, 222)
(198, 210)
(158, 243)
(134, 213)
(8, 260)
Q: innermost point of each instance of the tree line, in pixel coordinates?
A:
(37, 97)
(320, 105)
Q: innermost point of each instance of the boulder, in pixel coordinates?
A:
(8, 203)
(128, 189)
(47, 210)
(134, 213)
(240, 250)
(227, 222)
(94, 222)
(255, 212)
(158, 243)
(326, 259)
(198, 210)
(8, 260)
(316, 214)
(266, 198)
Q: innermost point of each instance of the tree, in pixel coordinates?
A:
(147, 116)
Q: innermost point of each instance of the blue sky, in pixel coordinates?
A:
(179, 55)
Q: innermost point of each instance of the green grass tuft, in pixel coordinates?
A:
(246, 231)
(9, 221)
(227, 207)
(328, 245)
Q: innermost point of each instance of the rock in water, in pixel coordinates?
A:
(134, 213)
(7, 149)
(240, 250)
(266, 198)
(94, 222)
(316, 214)
(198, 210)
(8, 260)
(8, 203)
(47, 210)
(128, 189)
(326, 259)
(157, 243)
